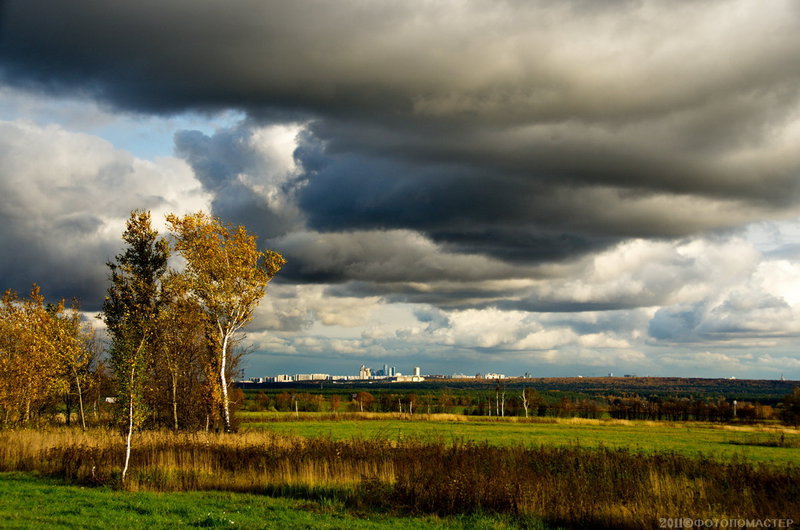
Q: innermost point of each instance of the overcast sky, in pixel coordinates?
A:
(558, 188)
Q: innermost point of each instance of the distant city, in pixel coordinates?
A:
(390, 374)
(386, 373)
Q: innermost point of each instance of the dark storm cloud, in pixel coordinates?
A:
(527, 132)
(499, 215)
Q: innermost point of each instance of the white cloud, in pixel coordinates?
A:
(64, 199)
(298, 307)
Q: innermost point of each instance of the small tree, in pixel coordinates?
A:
(227, 274)
(364, 399)
(75, 351)
(131, 312)
(525, 400)
(336, 400)
(790, 408)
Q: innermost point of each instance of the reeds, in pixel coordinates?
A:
(571, 486)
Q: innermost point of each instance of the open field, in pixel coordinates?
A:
(757, 443)
(31, 501)
(569, 485)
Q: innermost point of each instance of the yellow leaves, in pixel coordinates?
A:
(42, 346)
(224, 268)
(227, 275)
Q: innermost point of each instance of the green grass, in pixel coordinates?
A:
(30, 501)
(685, 438)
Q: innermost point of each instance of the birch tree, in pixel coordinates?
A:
(525, 400)
(131, 311)
(75, 352)
(228, 275)
(182, 351)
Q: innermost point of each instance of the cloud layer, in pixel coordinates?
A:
(528, 176)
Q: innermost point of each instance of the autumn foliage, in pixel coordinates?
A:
(46, 356)
(173, 333)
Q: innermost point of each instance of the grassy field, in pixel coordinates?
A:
(754, 443)
(31, 501)
(360, 481)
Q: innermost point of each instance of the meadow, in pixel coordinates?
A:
(31, 501)
(757, 443)
(450, 472)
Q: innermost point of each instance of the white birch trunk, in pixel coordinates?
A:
(80, 402)
(175, 400)
(525, 402)
(226, 415)
(129, 434)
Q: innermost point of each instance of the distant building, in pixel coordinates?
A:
(364, 372)
(492, 375)
(282, 378)
(407, 379)
(312, 377)
(417, 371)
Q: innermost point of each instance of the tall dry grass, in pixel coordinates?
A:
(572, 486)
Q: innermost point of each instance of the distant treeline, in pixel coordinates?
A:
(528, 402)
(766, 391)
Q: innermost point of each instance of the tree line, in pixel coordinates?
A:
(528, 402)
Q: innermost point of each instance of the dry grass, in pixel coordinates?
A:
(572, 486)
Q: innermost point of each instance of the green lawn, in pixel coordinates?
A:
(684, 438)
(29, 501)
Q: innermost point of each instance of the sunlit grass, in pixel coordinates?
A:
(576, 483)
(689, 438)
(30, 501)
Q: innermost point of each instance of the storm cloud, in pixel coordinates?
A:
(524, 163)
(513, 128)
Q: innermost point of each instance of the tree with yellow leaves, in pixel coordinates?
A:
(75, 353)
(227, 275)
(29, 362)
(44, 349)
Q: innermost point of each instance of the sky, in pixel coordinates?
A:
(561, 188)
